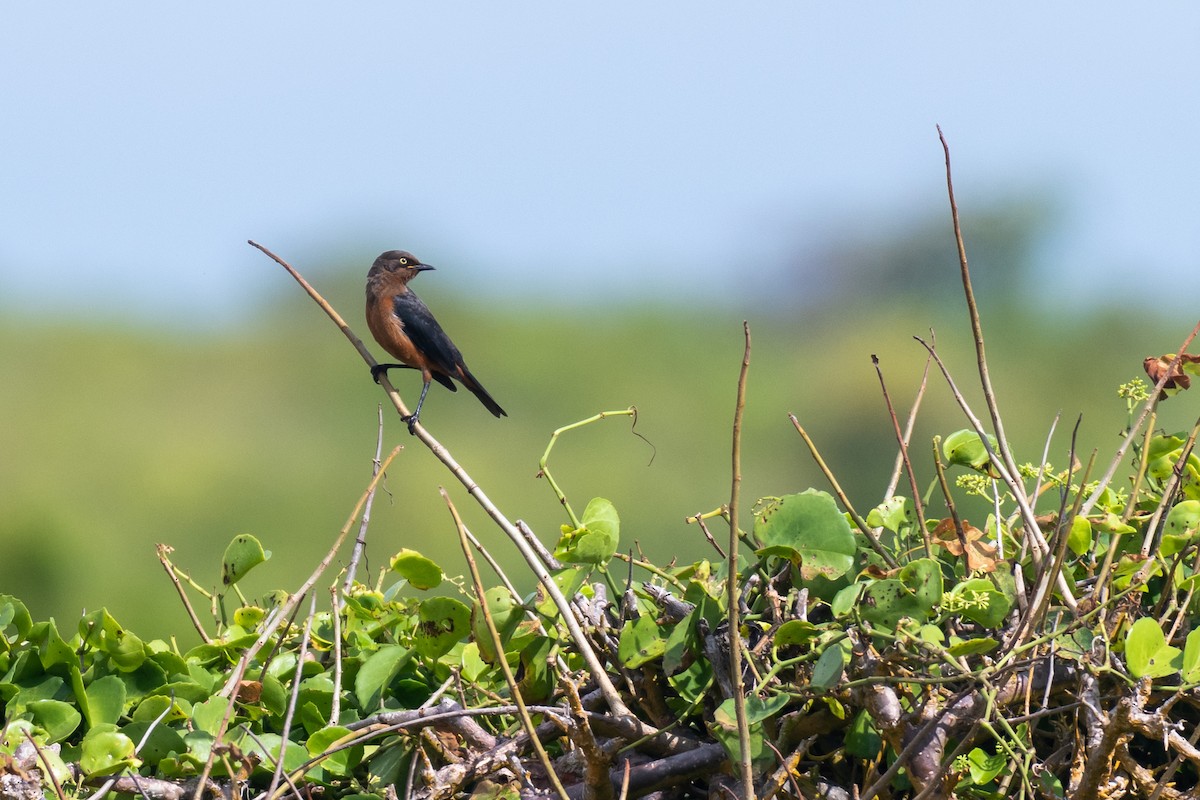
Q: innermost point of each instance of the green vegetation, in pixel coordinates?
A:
(888, 646)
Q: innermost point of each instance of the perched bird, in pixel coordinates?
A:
(404, 326)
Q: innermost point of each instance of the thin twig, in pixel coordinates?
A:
(163, 551)
(859, 522)
(989, 394)
(732, 581)
(498, 645)
(289, 714)
(360, 543)
(918, 506)
(894, 481)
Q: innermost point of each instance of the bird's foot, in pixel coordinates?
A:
(412, 420)
(379, 369)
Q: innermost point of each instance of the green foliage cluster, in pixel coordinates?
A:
(1050, 651)
(879, 655)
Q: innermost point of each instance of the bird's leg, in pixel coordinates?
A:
(412, 418)
(381, 369)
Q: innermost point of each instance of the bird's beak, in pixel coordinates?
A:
(423, 267)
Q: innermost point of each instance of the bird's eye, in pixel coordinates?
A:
(404, 261)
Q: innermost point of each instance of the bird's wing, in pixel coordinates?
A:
(428, 337)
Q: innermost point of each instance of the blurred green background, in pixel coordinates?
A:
(119, 434)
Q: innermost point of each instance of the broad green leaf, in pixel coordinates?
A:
(376, 673)
(106, 700)
(506, 616)
(207, 716)
(1180, 527)
(1190, 666)
(442, 622)
(795, 631)
(807, 528)
(985, 766)
(862, 740)
(895, 514)
(163, 740)
(1147, 653)
(966, 449)
(827, 672)
(641, 640)
(680, 642)
(58, 719)
(538, 676)
(473, 665)
(248, 617)
(419, 571)
(14, 615)
(52, 648)
(725, 729)
(596, 538)
(979, 600)
(1079, 538)
(243, 554)
(341, 762)
(105, 751)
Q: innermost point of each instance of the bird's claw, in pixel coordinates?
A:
(377, 370)
(411, 419)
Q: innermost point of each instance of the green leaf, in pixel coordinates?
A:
(1079, 538)
(105, 751)
(243, 554)
(1147, 653)
(895, 514)
(966, 449)
(984, 766)
(58, 719)
(641, 640)
(795, 631)
(971, 647)
(14, 615)
(725, 729)
(376, 673)
(979, 600)
(207, 715)
(419, 571)
(828, 670)
(341, 762)
(862, 740)
(1180, 527)
(807, 528)
(1190, 666)
(442, 622)
(506, 616)
(596, 538)
(106, 700)
(52, 648)
(163, 740)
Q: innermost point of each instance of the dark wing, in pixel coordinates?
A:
(429, 338)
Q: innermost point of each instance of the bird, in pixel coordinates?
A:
(404, 327)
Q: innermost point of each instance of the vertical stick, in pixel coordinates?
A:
(735, 638)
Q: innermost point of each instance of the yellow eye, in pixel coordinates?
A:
(404, 261)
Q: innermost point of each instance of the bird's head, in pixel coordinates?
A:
(400, 263)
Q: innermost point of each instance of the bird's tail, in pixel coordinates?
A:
(476, 388)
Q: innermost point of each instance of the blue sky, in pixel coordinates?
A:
(559, 151)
